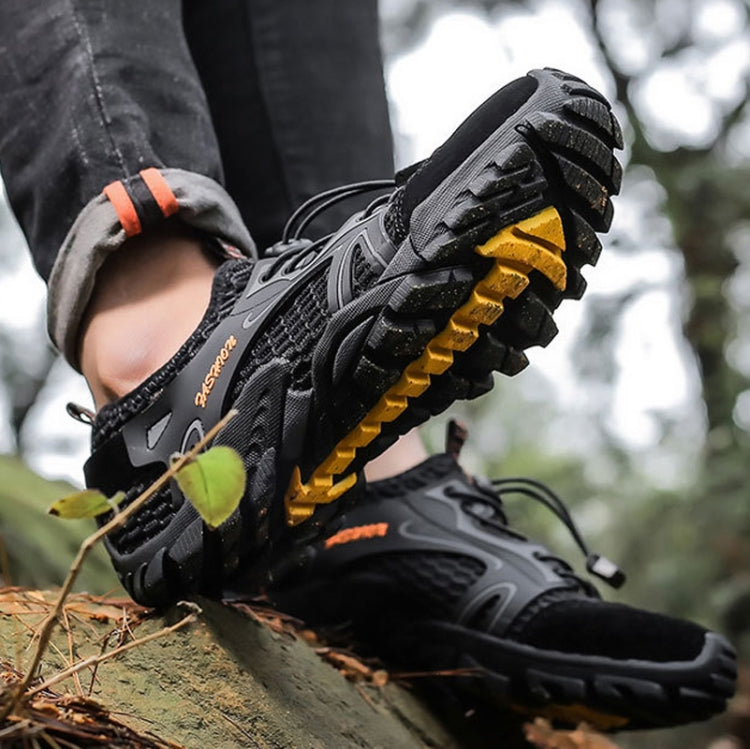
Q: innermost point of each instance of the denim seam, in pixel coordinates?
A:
(264, 74)
(96, 85)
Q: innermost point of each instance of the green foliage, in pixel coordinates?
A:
(214, 482)
(88, 503)
(39, 547)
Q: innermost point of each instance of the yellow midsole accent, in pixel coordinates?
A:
(536, 243)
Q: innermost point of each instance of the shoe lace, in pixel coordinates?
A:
(490, 497)
(317, 204)
(293, 251)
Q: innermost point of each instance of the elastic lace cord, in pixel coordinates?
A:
(382, 200)
(298, 249)
(500, 523)
(315, 205)
(595, 563)
(544, 495)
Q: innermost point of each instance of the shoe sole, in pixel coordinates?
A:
(496, 263)
(605, 693)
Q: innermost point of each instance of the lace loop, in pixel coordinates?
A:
(81, 413)
(314, 206)
(489, 493)
(486, 506)
(596, 564)
(292, 249)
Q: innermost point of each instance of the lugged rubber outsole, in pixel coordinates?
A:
(537, 244)
(542, 196)
(568, 689)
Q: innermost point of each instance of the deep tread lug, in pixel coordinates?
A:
(527, 322)
(370, 377)
(587, 246)
(489, 354)
(399, 338)
(576, 284)
(563, 137)
(596, 115)
(578, 88)
(515, 362)
(594, 195)
(438, 291)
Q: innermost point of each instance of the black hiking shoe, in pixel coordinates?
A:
(427, 574)
(331, 350)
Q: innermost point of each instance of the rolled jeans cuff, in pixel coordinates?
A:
(124, 209)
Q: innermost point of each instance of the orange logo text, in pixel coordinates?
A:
(213, 374)
(376, 530)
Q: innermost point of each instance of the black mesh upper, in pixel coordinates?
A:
(592, 627)
(295, 330)
(394, 220)
(429, 582)
(364, 275)
(147, 523)
(433, 469)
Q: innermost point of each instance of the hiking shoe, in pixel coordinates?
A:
(330, 350)
(428, 575)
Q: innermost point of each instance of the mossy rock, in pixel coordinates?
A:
(227, 681)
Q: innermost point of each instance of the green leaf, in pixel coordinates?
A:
(86, 504)
(214, 482)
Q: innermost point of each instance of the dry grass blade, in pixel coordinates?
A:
(95, 660)
(57, 722)
(276, 621)
(409, 675)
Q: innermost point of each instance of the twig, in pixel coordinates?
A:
(122, 633)
(234, 723)
(22, 725)
(117, 522)
(61, 655)
(104, 646)
(126, 623)
(71, 649)
(8, 583)
(366, 697)
(51, 741)
(468, 671)
(95, 660)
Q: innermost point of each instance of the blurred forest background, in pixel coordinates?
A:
(638, 414)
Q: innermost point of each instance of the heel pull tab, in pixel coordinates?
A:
(81, 413)
(455, 436)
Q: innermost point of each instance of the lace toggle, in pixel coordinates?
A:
(606, 570)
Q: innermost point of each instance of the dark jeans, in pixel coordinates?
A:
(274, 100)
